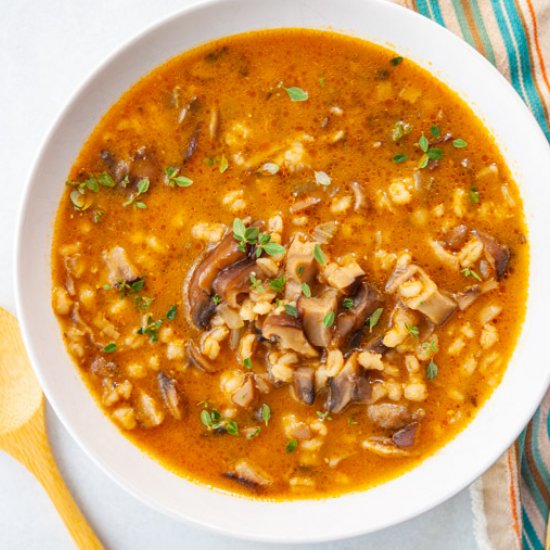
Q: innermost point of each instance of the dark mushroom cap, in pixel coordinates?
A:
(313, 311)
(288, 331)
(234, 281)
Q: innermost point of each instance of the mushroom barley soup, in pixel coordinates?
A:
(290, 264)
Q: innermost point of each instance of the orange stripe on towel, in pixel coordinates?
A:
(537, 44)
(513, 496)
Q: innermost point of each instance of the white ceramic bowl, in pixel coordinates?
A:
(436, 479)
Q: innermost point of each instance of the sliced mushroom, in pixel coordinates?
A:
(169, 394)
(389, 416)
(192, 144)
(406, 436)
(118, 168)
(313, 311)
(347, 386)
(468, 296)
(244, 395)
(119, 265)
(365, 301)
(384, 446)
(197, 292)
(301, 266)
(234, 281)
(456, 237)
(289, 333)
(304, 385)
(248, 475)
(498, 255)
(426, 298)
(197, 359)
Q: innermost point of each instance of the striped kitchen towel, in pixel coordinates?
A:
(512, 499)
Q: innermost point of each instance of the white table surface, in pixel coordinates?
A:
(46, 50)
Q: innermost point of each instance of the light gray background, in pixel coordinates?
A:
(47, 48)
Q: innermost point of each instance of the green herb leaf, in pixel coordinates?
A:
(328, 319)
(231, 427)
(97, 214)
(467, 272)
(459, 143)
(430, 346)
(247, 362)
(400, 129)
(110, 348)
(105, 180)
(473, 195)
(399, 158)
(266, 413)
(205, 418)
(347, 303)
(256, 284)
(414, 331)
(352, 421)
(323, 415)
(172, 312)
(174, 179)
(319, 255)
(143, 186)
(151, 329)
(435, 131)
(277, 284)
(224, 164)
(435, 153)
(296, 94)
(291, 446)
(322, 178)
(216, 299)
(431, 370)
(396, 60)
(273, 249)
(141, 205)
(291, 310)
(254, 434)
(143, 302)
(306, 291)
(423, 143)
(375, 317)
(423, 162)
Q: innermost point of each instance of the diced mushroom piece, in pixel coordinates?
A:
(197, 359)
(244, 395)
(468, 296)
(389, 416)
(304, 385)
(198, 292)
(406, 436)
(248, 475)
(169, 394)
(289, 333)
(149, 413)
(301, 266)
(365, 301)
(376, 345)
(343, 278)
(119, 266)
(313, 311)
(498, 255)
(418, 291)
(233, 282)
(192, 144)
(456, 237)
(383, 446)
(349, 385)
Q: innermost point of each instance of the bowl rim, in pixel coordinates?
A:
(23, 313)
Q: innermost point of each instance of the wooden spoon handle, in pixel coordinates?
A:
(30, 446)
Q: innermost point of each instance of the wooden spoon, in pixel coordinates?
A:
(23, 429)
